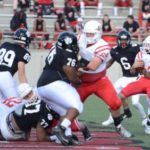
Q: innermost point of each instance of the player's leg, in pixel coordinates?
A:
(7, 85)
(136, 103)
(67, 97)
(118, 87)
(109, 96)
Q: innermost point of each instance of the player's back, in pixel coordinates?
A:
(28, 115)
(10, 55)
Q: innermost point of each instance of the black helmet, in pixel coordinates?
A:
(123, 39)
(68, 41)
(22, 36)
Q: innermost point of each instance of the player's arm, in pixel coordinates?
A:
(72, 74)
(94, 64)
(137, 66)
(110, 62)
(21, 72)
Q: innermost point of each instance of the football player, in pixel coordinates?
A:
(13, 57)
(124, 53)
(54, 83)
(33, 113)
(94, 52)
(142, 85)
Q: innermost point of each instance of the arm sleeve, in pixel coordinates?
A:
(24, 57)
(102, 52)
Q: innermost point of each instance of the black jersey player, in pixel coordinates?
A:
(124, 54)
(54, 83)
(13, 57)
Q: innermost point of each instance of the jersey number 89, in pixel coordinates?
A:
(6, 57)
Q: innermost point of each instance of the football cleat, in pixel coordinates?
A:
(73, 140)
(59, 131)
(123, 132)
(86, 134)
(108, 122)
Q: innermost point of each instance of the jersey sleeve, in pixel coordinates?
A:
(24, 56)
(102, 52)
(139, 56)
(69, 59)
(46, 116)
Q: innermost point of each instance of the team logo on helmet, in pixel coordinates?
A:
(68, 40)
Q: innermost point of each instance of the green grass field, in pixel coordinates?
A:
(95, 111)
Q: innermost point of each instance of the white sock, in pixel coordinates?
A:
(65, 123)
(138, 106)
(68, 131)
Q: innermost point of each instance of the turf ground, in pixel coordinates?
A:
(95, 111)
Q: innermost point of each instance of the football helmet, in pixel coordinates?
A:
(146, 45)
(123, 39)
(93, 31)
(24, 89)
(22, 36)
(68, 42)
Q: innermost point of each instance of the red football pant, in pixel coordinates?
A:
(104, 89)
(138, 87)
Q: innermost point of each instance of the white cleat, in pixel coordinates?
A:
(147, 128)
(108, 122)
(123, 132)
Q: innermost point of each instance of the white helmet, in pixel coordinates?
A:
(93, 31)
(146, 45)
(24, 89)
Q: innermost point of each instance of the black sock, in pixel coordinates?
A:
(117, 120)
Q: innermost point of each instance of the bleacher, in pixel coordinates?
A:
(6, 13)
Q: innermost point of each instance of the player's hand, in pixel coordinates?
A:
(138, 64)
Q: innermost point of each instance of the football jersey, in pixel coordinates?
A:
(10, 55)
(145, 58)
(53, 70)
(125, 57)
(28, 115)
(100, 49)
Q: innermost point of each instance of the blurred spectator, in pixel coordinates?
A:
(108, 29)
(145, 9)
(46, 7)
(80, 25)
(107, 25)
(123, 3)
(18, 21)
(75, 4)
(71, 14)
(60, 24)
(23, 4)
(39, 30)
(132, 26)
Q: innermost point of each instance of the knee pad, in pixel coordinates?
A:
(116, 105)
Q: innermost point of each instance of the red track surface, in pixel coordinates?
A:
(100, 141)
